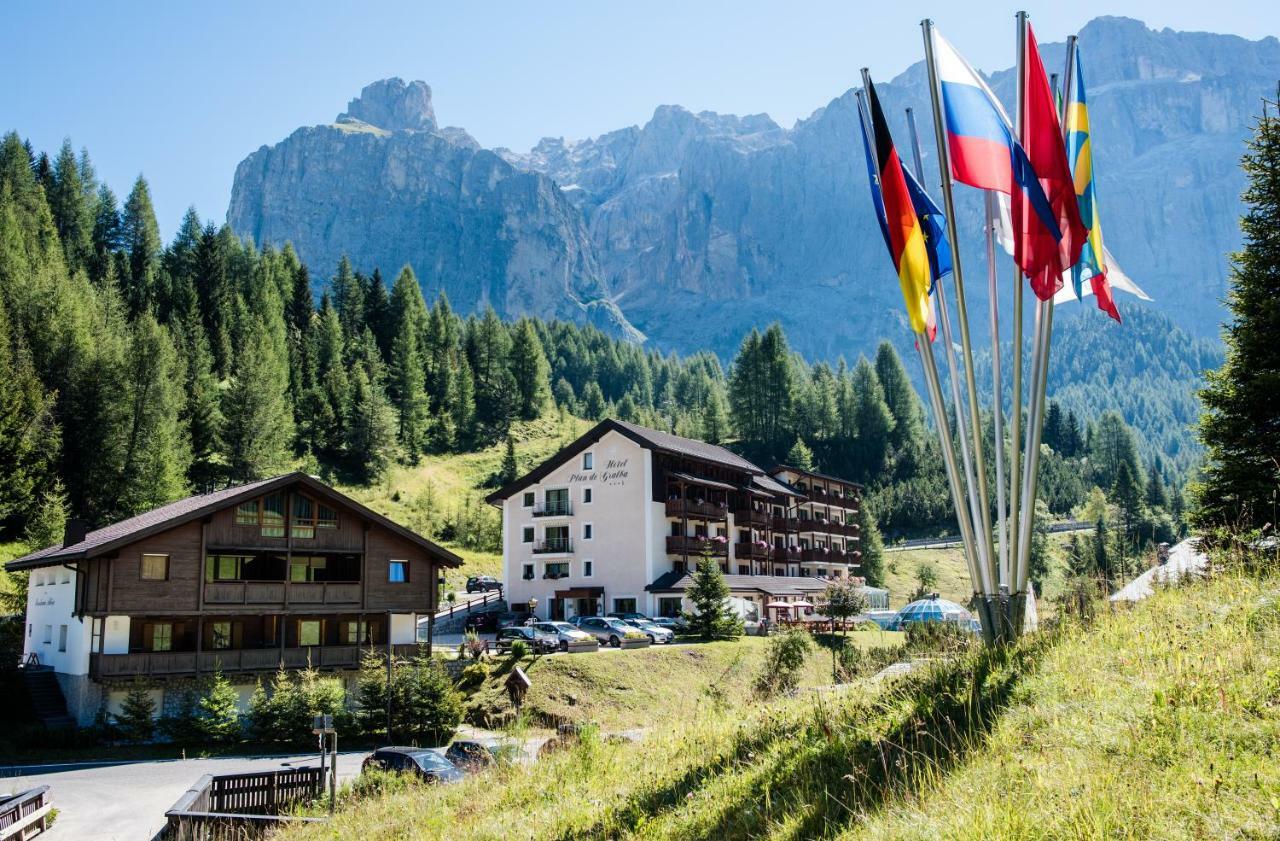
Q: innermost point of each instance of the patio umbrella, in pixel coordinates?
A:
(779, 605)
(802, 603)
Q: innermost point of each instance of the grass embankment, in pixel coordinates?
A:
(619, 690)
(1160, 722)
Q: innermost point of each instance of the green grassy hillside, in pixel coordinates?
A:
(1157, 722)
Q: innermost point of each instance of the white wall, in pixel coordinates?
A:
(621, 487)
(51, 597)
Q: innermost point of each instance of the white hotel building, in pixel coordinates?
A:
(617, 520)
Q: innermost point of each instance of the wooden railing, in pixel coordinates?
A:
(160, 663)
(695, 545)
(24, 812)
(789, 553)
(751, 517)
(469, 605)
(699, 510)
(751, 550)
(782, 524)
(242, 805)
(220, 593)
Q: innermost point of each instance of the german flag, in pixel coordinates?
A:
(905, 234)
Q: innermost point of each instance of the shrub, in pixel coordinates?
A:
(519, 650)
(282, 714)
(180, 725)
(425, 706)
(371, 693)
(938, 638)
(473, 675)
(472, 646)
(136, 721)
(785, 654)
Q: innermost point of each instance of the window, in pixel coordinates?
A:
(247, 513)
(527, 501)
(95, 634)
(527, 534)
(624, 605)
(586, 495)
(309, 515)
(743, 569)
(48, 634)
(527, 573)
(267, 511)
(668, 607)
(350, 632)
(162, 637)
(560, 570)
(588, 461)
(304, 568)
(308, 632)
(557, 502)
(586, 531)
(155, 567)
(224, 568)
(62, 637)
(398, 572)
(587, 567)
(221, 639)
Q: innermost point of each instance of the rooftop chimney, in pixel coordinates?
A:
(75, 531)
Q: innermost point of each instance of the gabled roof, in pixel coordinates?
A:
(777, 468)
(651, 439)
(104, 540)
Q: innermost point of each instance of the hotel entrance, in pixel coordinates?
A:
(584, 601)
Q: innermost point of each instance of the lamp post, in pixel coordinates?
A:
(533, 608)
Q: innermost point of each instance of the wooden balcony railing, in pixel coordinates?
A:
(677, 545)
(698, 510)
(826, 556)
(786, 524)
(751, 517)
(236, 593)
(787, 554)
(753, 551)
(160, 663)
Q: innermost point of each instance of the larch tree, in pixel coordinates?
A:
(529, 370)
(140, 235)
(259, 424)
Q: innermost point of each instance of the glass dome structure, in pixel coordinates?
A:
(933, 609)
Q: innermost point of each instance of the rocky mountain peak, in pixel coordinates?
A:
(393, 105)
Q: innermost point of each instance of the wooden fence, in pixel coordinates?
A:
(24, 815)
(241, 806)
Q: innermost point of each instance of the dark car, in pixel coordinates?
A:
(474, 756)
(539, 641)
(428, 765)
(481, 623)
(483, 584)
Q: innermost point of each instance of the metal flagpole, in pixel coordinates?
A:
(1015, 418)
(962, 314)
(997, 405)
(979, 517)
(934, 388)
(1035, 425)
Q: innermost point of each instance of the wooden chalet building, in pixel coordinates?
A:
(281, 571)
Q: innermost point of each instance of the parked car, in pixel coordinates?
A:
(511, 617)
(606, 629)
(675, 624)
(629, 616)
(430, 766)
(567, 634)
(483, 584)
(658, 634)
(481, 623)
(474, 756)
(539, 641)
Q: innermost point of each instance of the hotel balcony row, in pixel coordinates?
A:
(281, 593)
(678, 545)
(801, 524)
(157, 663)
(839, 500)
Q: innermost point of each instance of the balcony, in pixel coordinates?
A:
(553, 546)
(159, 663)
(751, 517)
(788, 554)
(695, 545)
(698, 510)
(752, 551)
(562, 508)
(827, 556)
(785, 524)
(279, 593)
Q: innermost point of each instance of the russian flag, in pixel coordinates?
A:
(984, 152)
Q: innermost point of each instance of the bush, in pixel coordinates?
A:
(938, 638)
(217, 715)
(371, 715)
(473, 675)
(853, 662)
(425, 706)
(180, 725)
(785, 654)
(519, 650)
(282, 714)
(136, 721)
(472, 646)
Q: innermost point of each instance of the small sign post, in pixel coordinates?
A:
(322, 725)
(518, 684)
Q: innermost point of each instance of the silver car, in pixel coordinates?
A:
(606, 629)
(565, 633)
(658, 634)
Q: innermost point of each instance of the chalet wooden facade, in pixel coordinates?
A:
(286, 570)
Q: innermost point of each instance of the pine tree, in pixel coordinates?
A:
(1110, 446)
(900, 397)
(348, 299)
(217, 299)
(715, 416)
(1242, 398)
(107, 235)
(136, 720)
(874, 423)
(489, 351)
(202, 409)
(259, 423)
(1127, 494)
(29, 435)
(1101, 557)
(371, 433)
(140, 234)
(800, 455)
(47, 521)
(1038, 562)
(1157, 497)
(510, 470)
(871, 544)
(72, 210)
(711, 617)
(217, 715)
(371, 693)
(529, 370)
(593, 402)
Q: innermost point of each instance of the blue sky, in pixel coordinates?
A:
(182, 92)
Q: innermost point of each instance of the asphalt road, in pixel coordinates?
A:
(126, 801)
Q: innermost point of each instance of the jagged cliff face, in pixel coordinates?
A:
(386, 186)
(699, 226)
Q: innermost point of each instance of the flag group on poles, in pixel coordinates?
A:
(1037, 171)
